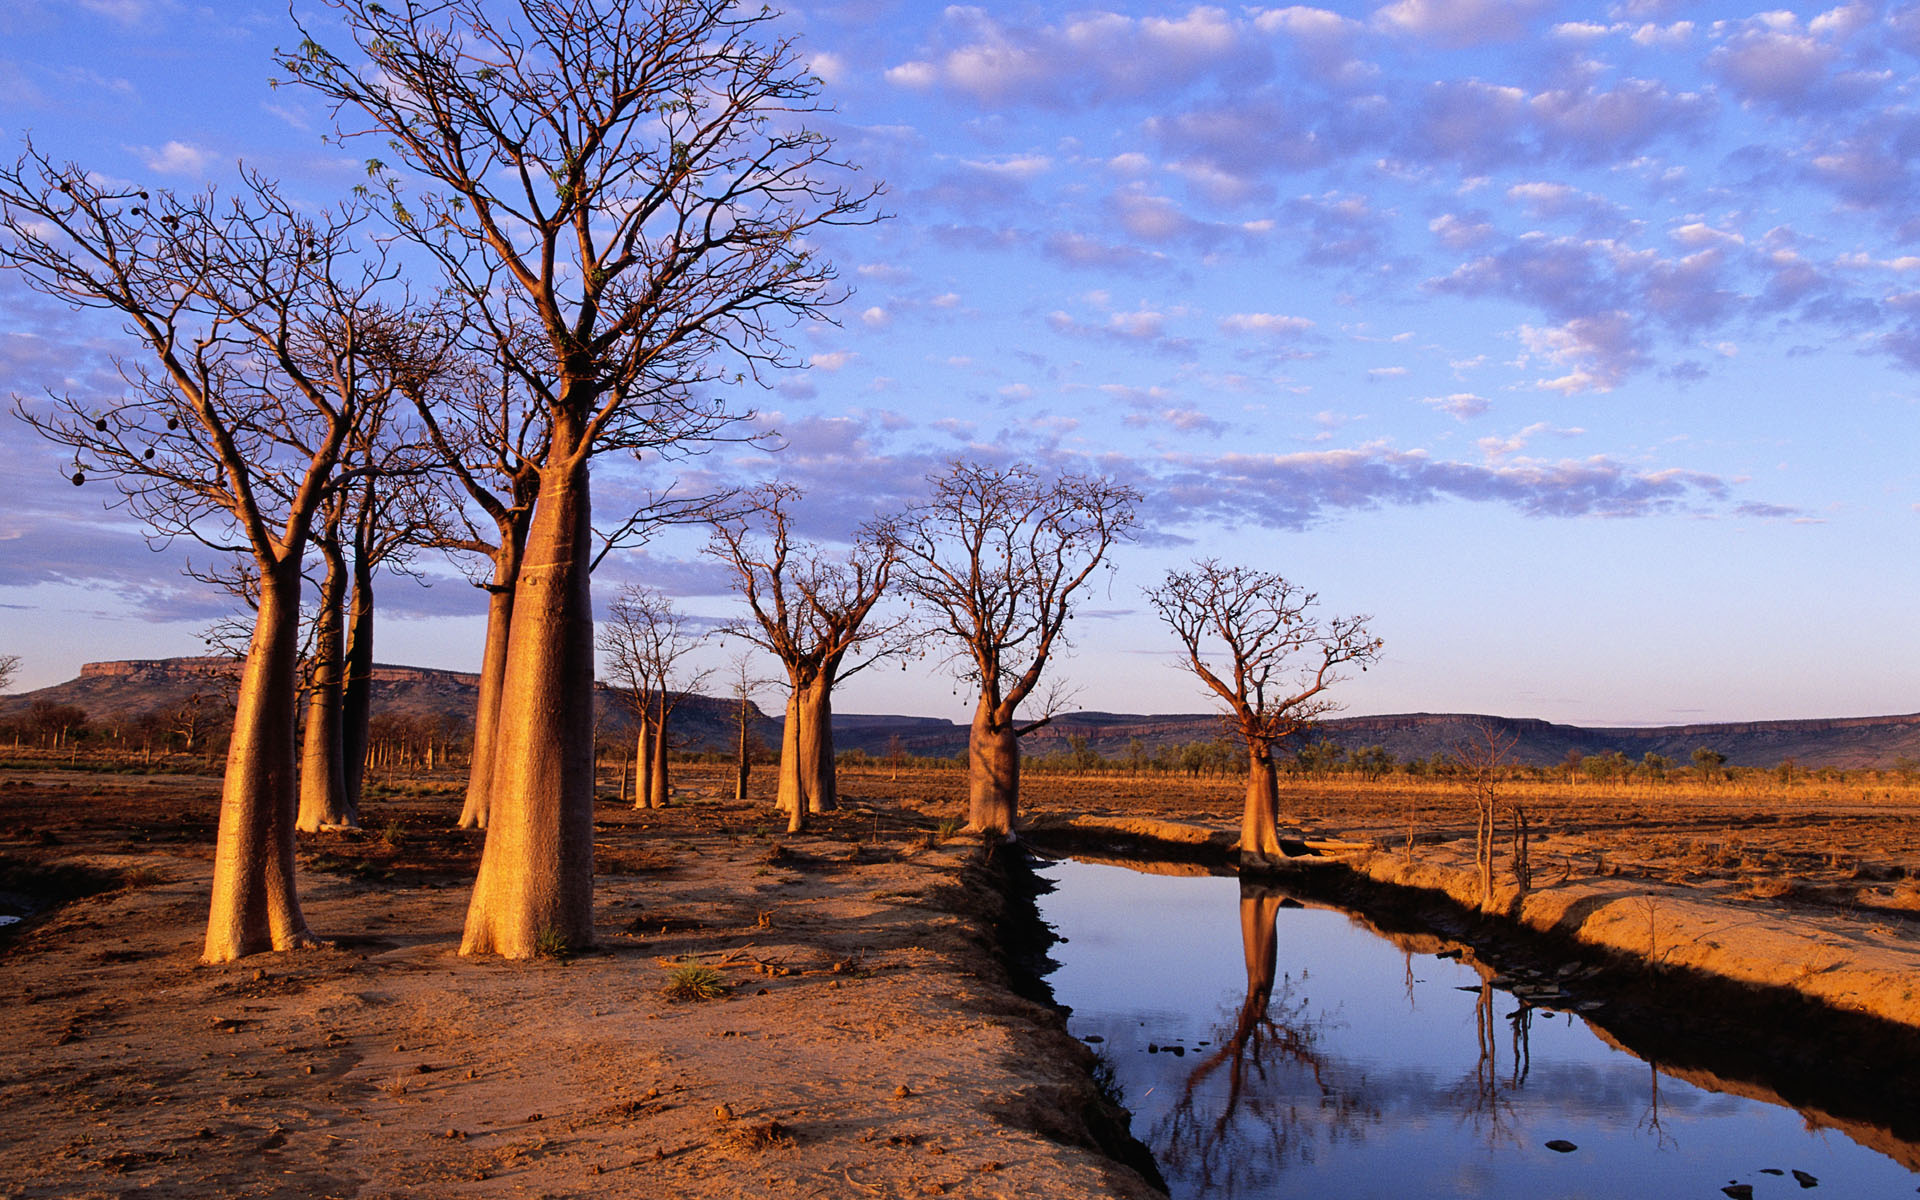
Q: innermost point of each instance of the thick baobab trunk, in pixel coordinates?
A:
(534, 891)
(816, 747)
(493, 676)
(356, 695)
(255, 906)
(993, 772)
(1260, 819)
(323, 778)
(643, 763)
(806, 752)
(660, 785)
(791, 795)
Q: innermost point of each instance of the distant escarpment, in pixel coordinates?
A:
(126, 689)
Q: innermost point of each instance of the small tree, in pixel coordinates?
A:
(9, 667)
(646, 642)
(1708, 762)
(1483, 757)
(810, 610)
(997, 556)
(1254, 638)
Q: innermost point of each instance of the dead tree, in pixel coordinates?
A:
(263, 337)
(811, 610)
(1483, 757)
(1254, 639)
(997, 557)
(635, 181)
(646, 643)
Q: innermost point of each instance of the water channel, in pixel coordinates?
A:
(1268, 1048)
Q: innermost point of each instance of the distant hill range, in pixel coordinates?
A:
(109, 690)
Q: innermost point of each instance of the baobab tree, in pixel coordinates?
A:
(997, 557)
(647, 642)
(811, 610)
(636, 180)
(265, 345)
(1254, 638)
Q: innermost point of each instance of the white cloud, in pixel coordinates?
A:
(175, 158)
(1270, 324)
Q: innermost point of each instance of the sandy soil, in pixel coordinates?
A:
(868, 1043)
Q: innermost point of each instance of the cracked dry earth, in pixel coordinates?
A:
(868, 1043)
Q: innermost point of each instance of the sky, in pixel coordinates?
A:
(1575, 343)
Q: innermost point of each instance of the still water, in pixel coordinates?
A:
(1271, 1050)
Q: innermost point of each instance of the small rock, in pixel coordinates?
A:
(1803, 1179)
(1771, 1171)
(1093, 1039)
(1177, 1051)
(723, 1113)
(1561, 1146)
(1739, 1191)
(902, 1092)
(1153, 1047)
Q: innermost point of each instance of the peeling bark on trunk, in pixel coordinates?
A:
(493, 676)
(1260, 818)
(323, 779)
(534, 891)
(356, 697)
(255, 906)
(993, 773)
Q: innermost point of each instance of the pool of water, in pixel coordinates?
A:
(1269, 1049)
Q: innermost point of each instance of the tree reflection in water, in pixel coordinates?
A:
(1280, 1097)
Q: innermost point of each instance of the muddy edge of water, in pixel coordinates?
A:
(1765, 1042)
(1004, 873)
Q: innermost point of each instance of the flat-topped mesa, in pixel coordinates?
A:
(158, 668)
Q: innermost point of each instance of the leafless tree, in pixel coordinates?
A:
(265, 336)
(998, 556)
(1484, 757)
(1253, 637)
(633, 179)
(646, 643)
(9, 667)
(744, 710)
(811, 610)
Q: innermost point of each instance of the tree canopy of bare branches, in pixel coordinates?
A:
(1254, 639)
(268, 339)
(810, 610)
(646, 642)
(997, 557)
(635, 181)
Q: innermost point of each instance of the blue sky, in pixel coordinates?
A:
(1575, 342)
